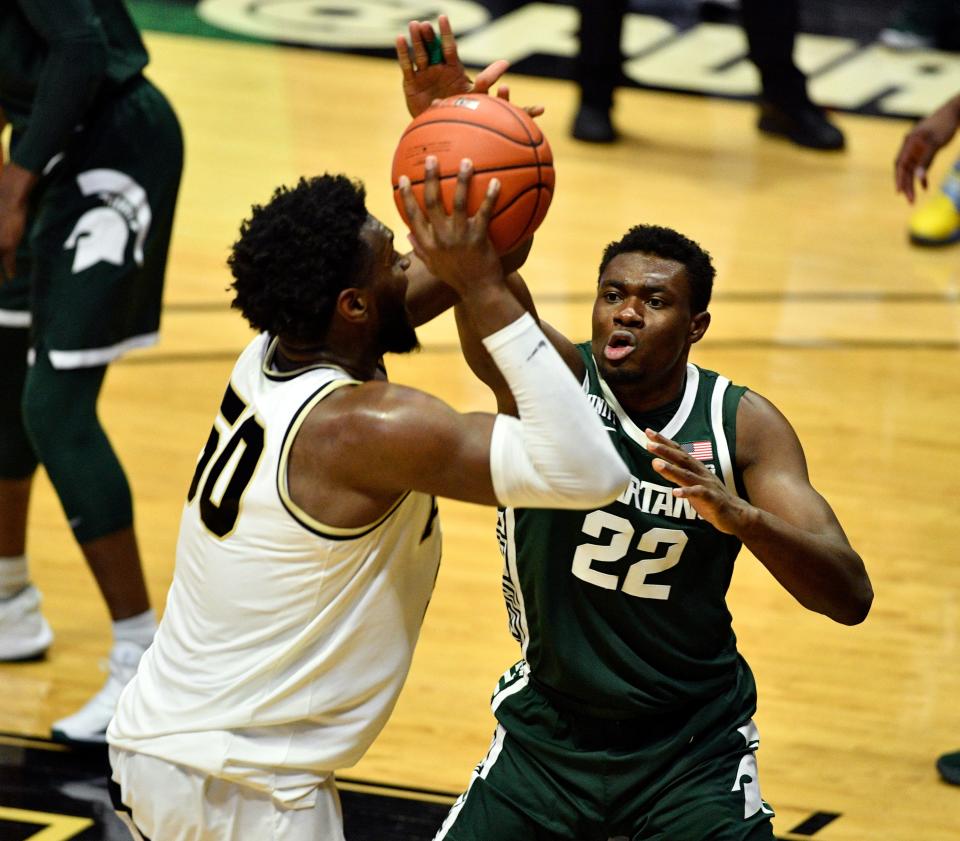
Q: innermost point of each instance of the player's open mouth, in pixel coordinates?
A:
(620, 344)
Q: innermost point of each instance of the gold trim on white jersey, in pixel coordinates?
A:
(283, 486)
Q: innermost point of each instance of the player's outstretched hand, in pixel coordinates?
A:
(454, 247)
(707, 494)
(921, 145)
(423, 81)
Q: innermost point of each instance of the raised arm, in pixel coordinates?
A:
(384, 439)
(786, 523)
(483, 366)
(425, 80)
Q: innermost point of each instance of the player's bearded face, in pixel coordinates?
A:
(397, 334)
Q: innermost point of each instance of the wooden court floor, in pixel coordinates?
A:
(820, 305)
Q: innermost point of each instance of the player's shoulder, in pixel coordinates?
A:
(574, 354)
(755, 408)
(763, 431)
(355, 428)
(374, 407)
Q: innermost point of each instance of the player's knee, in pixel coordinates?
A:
(49, 421)
(60, 411)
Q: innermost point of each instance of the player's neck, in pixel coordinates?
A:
(640, 397)
(290, 356)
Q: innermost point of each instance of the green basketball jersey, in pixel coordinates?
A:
(621, 611)
(57, 59)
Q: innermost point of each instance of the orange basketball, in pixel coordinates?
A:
(503, 141)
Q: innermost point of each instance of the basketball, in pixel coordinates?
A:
(503, 142)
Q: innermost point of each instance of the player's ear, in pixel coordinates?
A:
(353, 304)
(698, 326)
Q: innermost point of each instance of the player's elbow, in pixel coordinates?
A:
(598, 485)
(857, 605)
(612, 482)
(848, 603)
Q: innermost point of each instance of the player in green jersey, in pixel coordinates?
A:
(87, 199)
(629, 715)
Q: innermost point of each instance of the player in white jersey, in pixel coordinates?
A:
(309, 542)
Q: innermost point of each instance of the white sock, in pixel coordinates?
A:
(138, 629)
(14, 575)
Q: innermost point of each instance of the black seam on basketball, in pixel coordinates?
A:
(534, 146)
(523, 125)
(519, 238)
(516, 117)
(530, 145)
(538, 167)
(514, 200)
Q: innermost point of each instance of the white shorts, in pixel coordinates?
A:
(171, 803)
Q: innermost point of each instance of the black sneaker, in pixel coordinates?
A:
(593, 125)
(806, 125)
(949, 767)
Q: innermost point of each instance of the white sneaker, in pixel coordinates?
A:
(24, 633)
(89, 724)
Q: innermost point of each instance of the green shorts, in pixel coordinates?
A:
(91, 264)
(553, 775)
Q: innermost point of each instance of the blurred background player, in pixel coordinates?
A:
(937, 221)
(786, 109)
(299, 593)
(86, 206)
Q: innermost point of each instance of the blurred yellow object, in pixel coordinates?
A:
(935, 223)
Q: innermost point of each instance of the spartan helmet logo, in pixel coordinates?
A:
(102, 232)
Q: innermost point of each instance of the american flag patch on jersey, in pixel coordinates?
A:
(700, 450)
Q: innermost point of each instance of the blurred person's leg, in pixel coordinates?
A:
(785, 107)
(24, 633)
(598, 68)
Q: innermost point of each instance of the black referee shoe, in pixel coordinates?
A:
(593, 125)
(949, 767)
(805, 124)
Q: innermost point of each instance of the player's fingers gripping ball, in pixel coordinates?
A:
(503, 142)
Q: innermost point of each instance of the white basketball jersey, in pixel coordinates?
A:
(284, 642)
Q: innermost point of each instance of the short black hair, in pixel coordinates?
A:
(670, 245)
(297, 253)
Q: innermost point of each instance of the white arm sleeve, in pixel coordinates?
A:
(558, 454)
